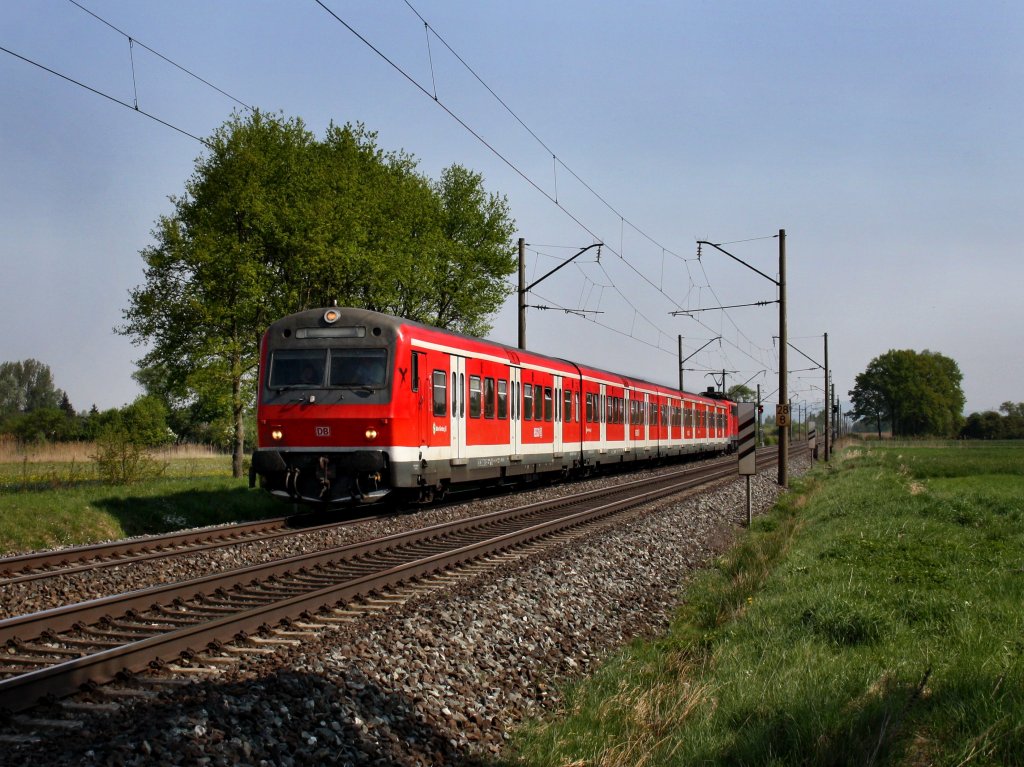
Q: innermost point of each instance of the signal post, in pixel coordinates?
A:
(747, 418)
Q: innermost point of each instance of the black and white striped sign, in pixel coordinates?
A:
(748, 437)
(811, 437)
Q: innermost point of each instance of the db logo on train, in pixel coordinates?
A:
(323, 431)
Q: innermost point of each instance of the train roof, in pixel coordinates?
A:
(516, 355)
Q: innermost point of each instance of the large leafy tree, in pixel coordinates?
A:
(25, 386)
(918, 393)
(274, 221)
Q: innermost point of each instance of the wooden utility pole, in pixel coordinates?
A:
(680, 363)
(783, 362)
(827, 414)
(524, 288)
(522, 293)
(783, 408)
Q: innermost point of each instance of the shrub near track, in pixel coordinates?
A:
(874, 617)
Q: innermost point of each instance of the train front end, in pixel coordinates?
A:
(325, 411)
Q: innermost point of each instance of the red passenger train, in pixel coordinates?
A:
(355, 405)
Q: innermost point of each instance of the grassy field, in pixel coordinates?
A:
(53, 497)
(874, 618)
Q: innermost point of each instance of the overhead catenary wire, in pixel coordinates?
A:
(98, 92)
(512, 165)
(134, 40)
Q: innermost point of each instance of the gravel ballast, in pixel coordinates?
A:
(440, 679)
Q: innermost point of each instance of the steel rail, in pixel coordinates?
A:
(29, 567)
(64, 677)
(57, 619)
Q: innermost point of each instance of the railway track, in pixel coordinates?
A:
(56, 652)
(78, 559)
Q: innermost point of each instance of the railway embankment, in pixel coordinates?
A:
(872, 618)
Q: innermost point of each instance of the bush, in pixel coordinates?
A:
(121, 458)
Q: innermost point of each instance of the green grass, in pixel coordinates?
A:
(48, 505)
(29, 475)
(874, 618)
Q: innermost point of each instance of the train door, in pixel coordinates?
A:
(628, 421)
(602, 417)
(646, 422)
(458, 410)
(556, 440)
(421, 387)
(515, 399)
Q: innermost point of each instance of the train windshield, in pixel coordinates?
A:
(359, 367)
(320, 368)
(297, 367)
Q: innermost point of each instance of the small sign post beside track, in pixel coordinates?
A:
(812, 441)
(747, 416)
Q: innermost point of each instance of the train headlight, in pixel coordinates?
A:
(331, 316)
(277, 435)
(371, 434)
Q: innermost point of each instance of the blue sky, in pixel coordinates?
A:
(884, 137)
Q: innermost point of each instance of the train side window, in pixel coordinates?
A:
(567, 407)
(527, 402)
(502, 399)
(488, 397)
(474, 396)
(547, 403)
(440, 381)
(455, 394)
(415, 371)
